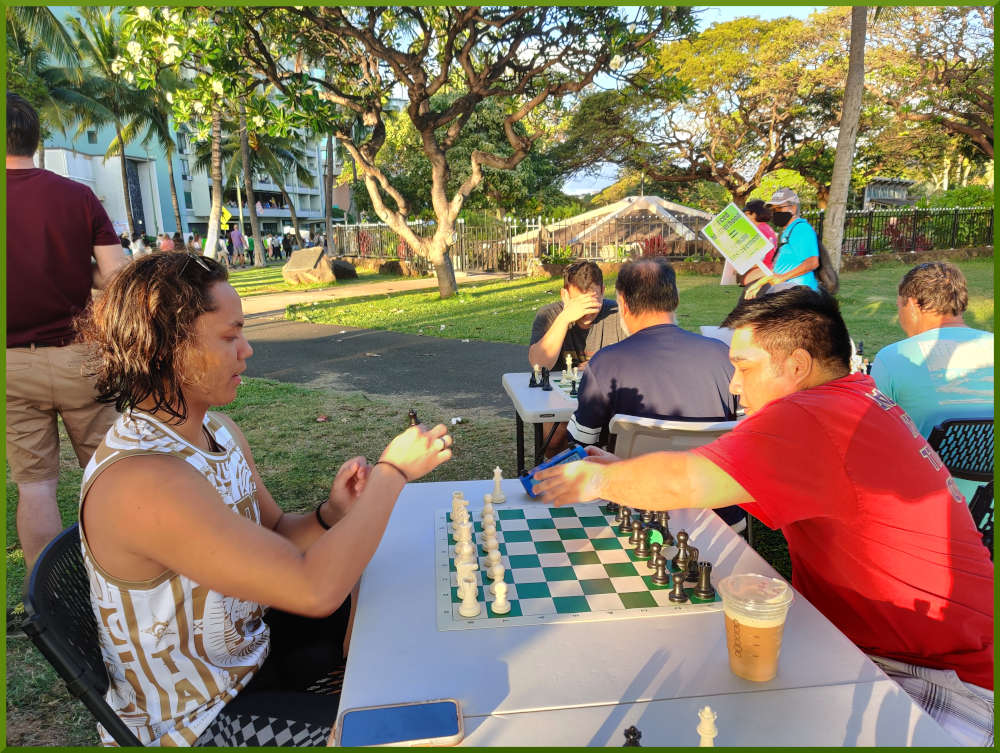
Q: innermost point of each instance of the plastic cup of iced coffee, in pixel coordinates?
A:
(755, 607)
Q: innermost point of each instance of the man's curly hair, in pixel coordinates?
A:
(141, 329)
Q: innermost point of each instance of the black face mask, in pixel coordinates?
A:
(781, 218)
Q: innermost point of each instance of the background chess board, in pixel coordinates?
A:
(562, 565)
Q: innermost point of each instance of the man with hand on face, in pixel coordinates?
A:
(880, 539)
(797, 256)
(580, 324)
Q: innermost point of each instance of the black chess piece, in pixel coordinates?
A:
(704, 589)
(683, 554)
(618, 511)
(632, 735)
(626, 527)
(654, 552)
(678, 594)
(636, 534)
(533, 382)
(413, 417)
(642, 550)
(546, 384)
(572, 389)
(647, 517)
(662, 519)
(660, 577)
(693, 555)
(613, 507)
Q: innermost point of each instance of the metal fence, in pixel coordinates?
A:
(903, 230)
(516, 245)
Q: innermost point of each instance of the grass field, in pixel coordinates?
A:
(503, 311)
(257, 280)
(297, 455)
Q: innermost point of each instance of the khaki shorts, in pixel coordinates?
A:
(41, 384)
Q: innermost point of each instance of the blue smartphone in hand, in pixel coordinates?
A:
(422, 723)
(566, 456)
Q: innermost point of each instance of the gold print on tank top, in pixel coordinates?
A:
(233, 630)
(247, 507)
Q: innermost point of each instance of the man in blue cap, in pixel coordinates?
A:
(797, 257)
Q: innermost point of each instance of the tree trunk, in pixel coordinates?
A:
(445, 271)
(291, 210)
(840, 181)
(41, 156)
(173, 190)
(258, 244)
(328, 194)
(212, 235)
(128, 197)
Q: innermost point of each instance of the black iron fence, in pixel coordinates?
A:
(902, 230)
(517, 245)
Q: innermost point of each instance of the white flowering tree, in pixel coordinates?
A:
(522, 56)
(189, 42)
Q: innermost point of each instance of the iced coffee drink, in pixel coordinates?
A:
(755, 607)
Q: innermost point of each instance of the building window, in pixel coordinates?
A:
(185, 167)
(188, 202)
(182, 142)
(91, 137)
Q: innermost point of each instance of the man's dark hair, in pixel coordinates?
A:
(937, 286)
(759, 209)
(22, 127)
(648, 285)
(142, 329)
(797, 318)
(583, 275)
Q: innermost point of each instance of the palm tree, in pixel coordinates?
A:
(274, 155)
(106, 96)
(39, 26)
(154, 118)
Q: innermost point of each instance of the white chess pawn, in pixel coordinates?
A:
(464, 532)
(498, 496)
(487, 504)
(500, 604)
(465, 570)
(706, 726)
(489, 529)
(470, 598)
(493, 557)
(464, 551)
(496, 572)
(490, 543)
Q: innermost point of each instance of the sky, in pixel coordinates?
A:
(609, 173)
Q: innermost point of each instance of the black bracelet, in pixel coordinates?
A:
(320, 517)
(396, 468)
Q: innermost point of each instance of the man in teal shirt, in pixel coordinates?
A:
(797, 256)
(943, 369)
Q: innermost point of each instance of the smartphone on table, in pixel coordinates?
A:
(422, 723)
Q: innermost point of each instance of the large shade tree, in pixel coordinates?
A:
(524, 56)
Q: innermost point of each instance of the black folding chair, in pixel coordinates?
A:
(965, 446)
(61, 624)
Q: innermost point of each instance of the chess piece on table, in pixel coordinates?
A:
(632, 735)
(572, 390)
(678, 594)
(500, 604)
(704, 589)
(617, 510)
(660, 577)
(546, 384)
(647, 517)
(693, 554)
(654, 553)
(536, 376)
(492, 557)
(626, 527)
(636, 533)
(642, 550)
(498, 497)
(662, 520)
(706, 729)
(683, 552)
(470, 598)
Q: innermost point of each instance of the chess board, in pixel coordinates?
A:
(564, 384)
(565, 564)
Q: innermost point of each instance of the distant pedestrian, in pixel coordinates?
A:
(61, 229)
(139, 247)
(286, 245)
(166, 243)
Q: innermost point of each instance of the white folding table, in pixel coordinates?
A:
(583, 683)
(535, 406)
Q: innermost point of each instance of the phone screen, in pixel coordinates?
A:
(394, 724)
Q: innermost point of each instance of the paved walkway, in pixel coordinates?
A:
(267, 304)
(461, 377)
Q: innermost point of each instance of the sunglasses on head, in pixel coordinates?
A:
(197, 259)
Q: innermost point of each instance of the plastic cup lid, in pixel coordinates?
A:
(755, 592)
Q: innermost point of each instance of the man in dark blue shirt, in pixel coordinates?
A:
(660, 370)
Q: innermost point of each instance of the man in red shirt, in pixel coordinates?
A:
(880, 539)
(55, 227)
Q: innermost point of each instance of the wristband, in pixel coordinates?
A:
(396, 468)
(320, 517)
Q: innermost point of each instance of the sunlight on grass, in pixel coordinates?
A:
(256, 280)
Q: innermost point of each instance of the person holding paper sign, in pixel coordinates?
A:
(798, 247)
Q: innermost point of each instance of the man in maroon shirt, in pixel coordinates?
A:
(881, 540)
(55, 227)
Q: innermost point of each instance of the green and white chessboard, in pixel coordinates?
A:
(563, 564)
(565, 384)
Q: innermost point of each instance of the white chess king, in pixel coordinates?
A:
(498, 496)
(706, 727)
